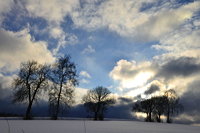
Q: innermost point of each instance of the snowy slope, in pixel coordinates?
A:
(77, 126)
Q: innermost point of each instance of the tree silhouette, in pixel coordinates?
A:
(168, 105)
(172, 105)
(160, 107)
(64, 78)
(30, 81)
(97, 101)
(146, 106)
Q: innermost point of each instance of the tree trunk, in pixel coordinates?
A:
(95, 115)
(150, 117)
(58, 102)
(168, 118)
(28, 111)
(159, 120)
(168, 115)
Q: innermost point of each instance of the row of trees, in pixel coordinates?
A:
(167, 105)
(59, 80)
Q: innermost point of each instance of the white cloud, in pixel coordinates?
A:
(182, 42)
(84, 81)
(130, 74)
(89, 49)
(167, 19)
(17, 47)
(63, 38)
(85, 74)
(72, 39)
(53, 11)
(56, 32)
(122, 16)
(112, 14)
(79, 93)
(84, 77)
(141, 90)
(126, 18)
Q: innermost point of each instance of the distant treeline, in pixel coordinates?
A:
(10, 115)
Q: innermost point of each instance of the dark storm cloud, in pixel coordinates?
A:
(6, 105)
(183, 66)
(191, 98)
(4, 93)
(122, 110)
(138, 97)
(191, 101)
(124, 100)
(153, 88)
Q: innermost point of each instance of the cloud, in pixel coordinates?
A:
(153, 88)
(183, 41)
(190, 100)
(6, 81)
(183, 66)
(56, 32)
(84, 77)
(17, 47)
(85, 74)
(126, 18)
(135, 19)
(54, 11)
(88, 50)
(131, 74)
(63, 38)
(144, 78)
(84, 81)
(164, 19)
(5, 87)
(72, 39)
(121, 110)
(79, 93)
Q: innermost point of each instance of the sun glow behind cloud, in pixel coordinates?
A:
(131, 75)
(137, 81)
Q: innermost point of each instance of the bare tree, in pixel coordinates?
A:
(172, 105)
(97, 101)
(31, 80)
(64, 79)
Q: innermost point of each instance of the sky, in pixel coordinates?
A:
(134, 48)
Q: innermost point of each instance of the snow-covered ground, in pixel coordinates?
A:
(87, 126)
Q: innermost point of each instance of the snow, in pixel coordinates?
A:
(77, 126)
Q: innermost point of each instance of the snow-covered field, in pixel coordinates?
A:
(81, 126)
